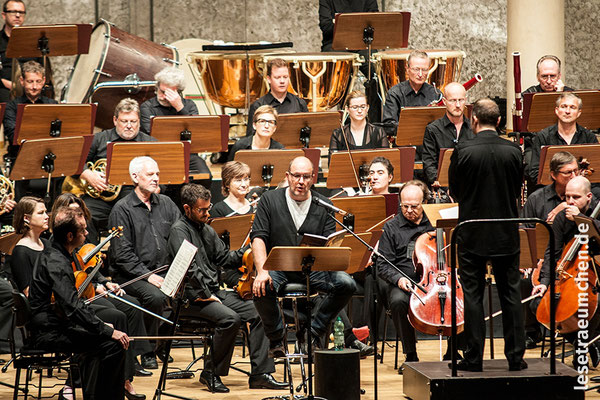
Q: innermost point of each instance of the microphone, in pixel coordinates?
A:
(328, 206)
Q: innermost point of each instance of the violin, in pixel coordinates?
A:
(433, 315)
(244, 286)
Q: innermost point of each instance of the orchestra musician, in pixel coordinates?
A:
(548, 75)
(284, 102)
(69, 325)
(488, 187)
(170, 83)
(359, 134)
(445, 132)
(580, 200)
(381, 174)
(222, 307)
(273, 226)
(127, 129)
(146, 217)
(567, 131)
(264, 122)
(410, 93)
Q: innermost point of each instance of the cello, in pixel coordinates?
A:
(433, 315)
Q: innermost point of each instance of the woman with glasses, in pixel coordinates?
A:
(359, 134)
(264, 122)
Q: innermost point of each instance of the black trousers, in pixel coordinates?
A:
(151, 298)
(101, 360)
(398, 302)
(228, 318)
(507, 276)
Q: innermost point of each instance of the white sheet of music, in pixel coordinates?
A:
(178, 268)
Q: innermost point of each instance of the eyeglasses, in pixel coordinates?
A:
(266, 122)
(358, 107)
(419, 70)
(128, 122)
(204, 210)
(15, 12)
(297, 177)
(407, 207)
(456, 101)
(569, 172)
(547, 77)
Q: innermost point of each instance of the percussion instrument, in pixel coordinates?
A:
(322, 79)
(122, 64)
(391, 67)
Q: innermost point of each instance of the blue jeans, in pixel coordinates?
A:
(337, 287)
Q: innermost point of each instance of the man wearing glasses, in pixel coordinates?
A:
(282, 218)
(445, 132)
(284, 102)
(226, 309)
(146, 217)
(565, 132)
(127, 129)
(548, 76)
(410, 93)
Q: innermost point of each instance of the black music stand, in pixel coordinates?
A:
(306, 260)
(43, 158)
(207, 134)
(299, 130)
(233, 230)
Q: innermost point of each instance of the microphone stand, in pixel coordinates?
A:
(378, 254)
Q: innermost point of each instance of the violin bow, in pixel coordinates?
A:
(350, 152)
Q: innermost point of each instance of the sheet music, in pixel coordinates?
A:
(449, 213)
(178, 268)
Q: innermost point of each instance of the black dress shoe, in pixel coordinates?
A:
(518, 366)
(134, 396)
(266, 381)
(411, 357)
(530, 343)
(161, 356)
(138, 370)
(209, 380)
(276, 349)
(448, 357)
(149, 361)
(365, 349)
(464, 365)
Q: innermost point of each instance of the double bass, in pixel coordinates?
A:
(433, 315)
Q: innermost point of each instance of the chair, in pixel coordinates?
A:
(30, 359)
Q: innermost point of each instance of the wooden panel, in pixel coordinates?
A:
(367, 210)
(412, 123)
(590, 152)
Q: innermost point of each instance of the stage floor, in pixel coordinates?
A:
(390, 383)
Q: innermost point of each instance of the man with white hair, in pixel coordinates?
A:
(146, 217)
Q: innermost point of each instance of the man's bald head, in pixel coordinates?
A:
(300, 178)
(580, 184)
(300, 162)
(454, 88)
(455, 98)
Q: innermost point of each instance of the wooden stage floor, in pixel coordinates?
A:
(390, 383)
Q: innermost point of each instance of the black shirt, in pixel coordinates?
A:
(403, 95)
(222, 209)
(273, 222)
(540, 203)
(374, 138)
(143, 245)
(53, 275)
(102, 139)
(10, 114)
(152, 108)
(485, 179)
(538, 89)
(328, 9)
(245, 143)
(441, 134)
(22, 261)
(291, 104)
(212, 254)
(397, 245)
(549, 137)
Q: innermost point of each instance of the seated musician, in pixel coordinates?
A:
(146, 218)
(358, 134)
(579, 200)
(235, 185)
(273, 226)
(170, 83)
(410, 93)
(381, 173)
(565, 132)
(548, 76)
(284, 102)
(264, 121)
(444, 133)
(67, 324)
(127, 129)
(224, 308)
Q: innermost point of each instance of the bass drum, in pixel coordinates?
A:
(117, 60)
(392, 67)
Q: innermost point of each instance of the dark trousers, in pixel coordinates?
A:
(101, 360)
(151, 298)
(337, 287)
(398, 302)
(6, 304)
(228, 318)
(507, 276)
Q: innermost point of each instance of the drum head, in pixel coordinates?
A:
(84, 75)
